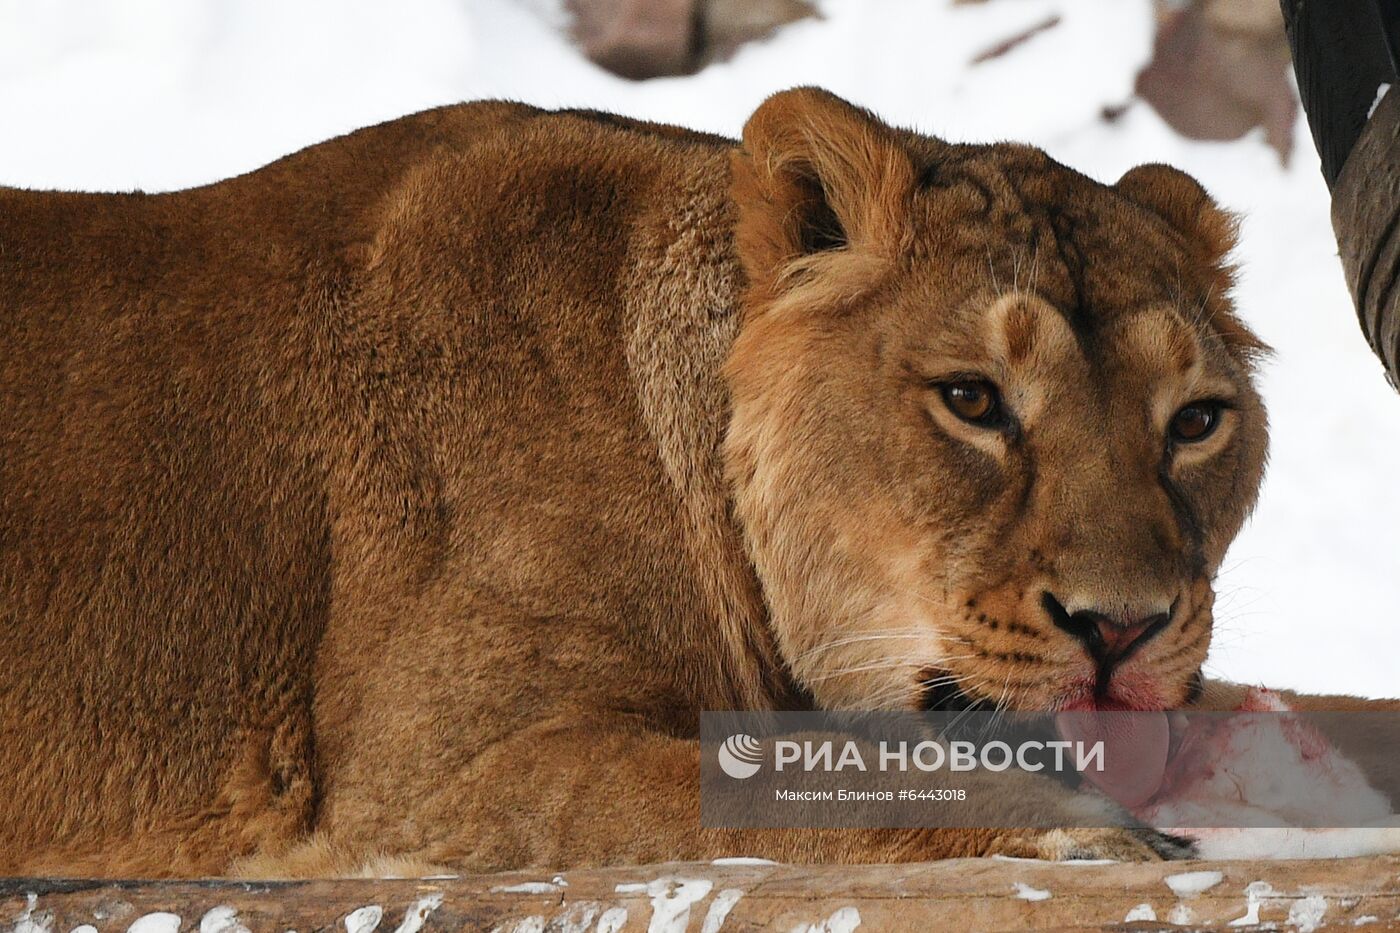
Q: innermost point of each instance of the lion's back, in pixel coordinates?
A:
(192, 382)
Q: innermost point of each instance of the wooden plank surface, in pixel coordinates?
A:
(960, 894)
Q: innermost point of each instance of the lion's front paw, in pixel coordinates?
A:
(1119, 843)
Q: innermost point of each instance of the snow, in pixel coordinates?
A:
(26, 922)
(1179, 915)
(1289, 842)
(1193, 883)
(719, 910)
(364, 919)
(417, 913)
(1140, 912)
(1255, 893)
(1381, 90)
(525, 925)
(158, 922)
(1306, 913)
(1027, 893)
(221, 919)
(160, 94)
(612, 920)
(528, 887)
(671, 899)
(844, 920)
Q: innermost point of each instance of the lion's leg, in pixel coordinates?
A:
(611, 795)
(608, 791)
(318, 857)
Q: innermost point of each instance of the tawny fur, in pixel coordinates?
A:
(400, 505)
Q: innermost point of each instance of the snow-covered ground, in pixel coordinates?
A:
(159, 94)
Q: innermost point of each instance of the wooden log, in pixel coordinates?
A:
(960, 894)
(1366, 217)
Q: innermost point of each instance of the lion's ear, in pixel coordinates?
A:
(1210, 234)
(817, 175)
(1180, 200)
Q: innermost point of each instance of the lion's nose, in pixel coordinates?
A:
(1108, 637)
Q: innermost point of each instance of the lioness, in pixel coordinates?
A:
(403, 502)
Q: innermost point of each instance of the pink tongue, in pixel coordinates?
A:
(1134, 750)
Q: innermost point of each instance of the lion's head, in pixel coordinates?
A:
(993, 425)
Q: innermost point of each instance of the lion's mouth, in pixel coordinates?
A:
(1128, 694)
(1138, 734)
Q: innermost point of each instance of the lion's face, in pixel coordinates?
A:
(993, 423)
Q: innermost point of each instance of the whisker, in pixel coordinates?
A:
(857, 639)
(884, 664)
(876, 699)
(918, 596)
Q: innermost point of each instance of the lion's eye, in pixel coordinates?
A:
(973, 400)
(1195, 422)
